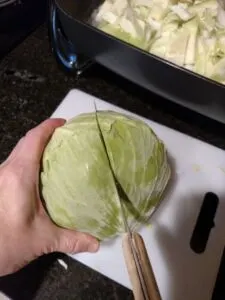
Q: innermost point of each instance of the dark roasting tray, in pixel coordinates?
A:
(72, 34)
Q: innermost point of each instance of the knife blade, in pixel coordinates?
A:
(135, 254)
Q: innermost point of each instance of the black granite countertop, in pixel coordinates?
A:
(31, 87)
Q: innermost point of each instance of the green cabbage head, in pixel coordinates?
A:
(77, 184)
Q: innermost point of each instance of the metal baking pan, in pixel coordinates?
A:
(72, 34)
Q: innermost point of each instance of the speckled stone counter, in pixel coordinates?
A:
(31, 87)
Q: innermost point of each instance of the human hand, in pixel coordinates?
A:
(26, 231)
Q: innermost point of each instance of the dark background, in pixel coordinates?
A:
(18, 20)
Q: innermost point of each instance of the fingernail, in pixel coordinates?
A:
(93, 247)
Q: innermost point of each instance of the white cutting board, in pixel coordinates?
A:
(199, 168)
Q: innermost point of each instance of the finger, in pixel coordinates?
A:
(70, 241)
(31, 147)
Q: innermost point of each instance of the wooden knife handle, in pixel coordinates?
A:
(151, 285)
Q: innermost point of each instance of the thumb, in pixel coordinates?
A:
(31, 146)
(70, 241)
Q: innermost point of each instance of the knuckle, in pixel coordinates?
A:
(29, 133)
(10, 176)
(15, 171)
(49, 249)
(71, 245)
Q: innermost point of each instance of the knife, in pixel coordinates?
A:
(134, 250)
